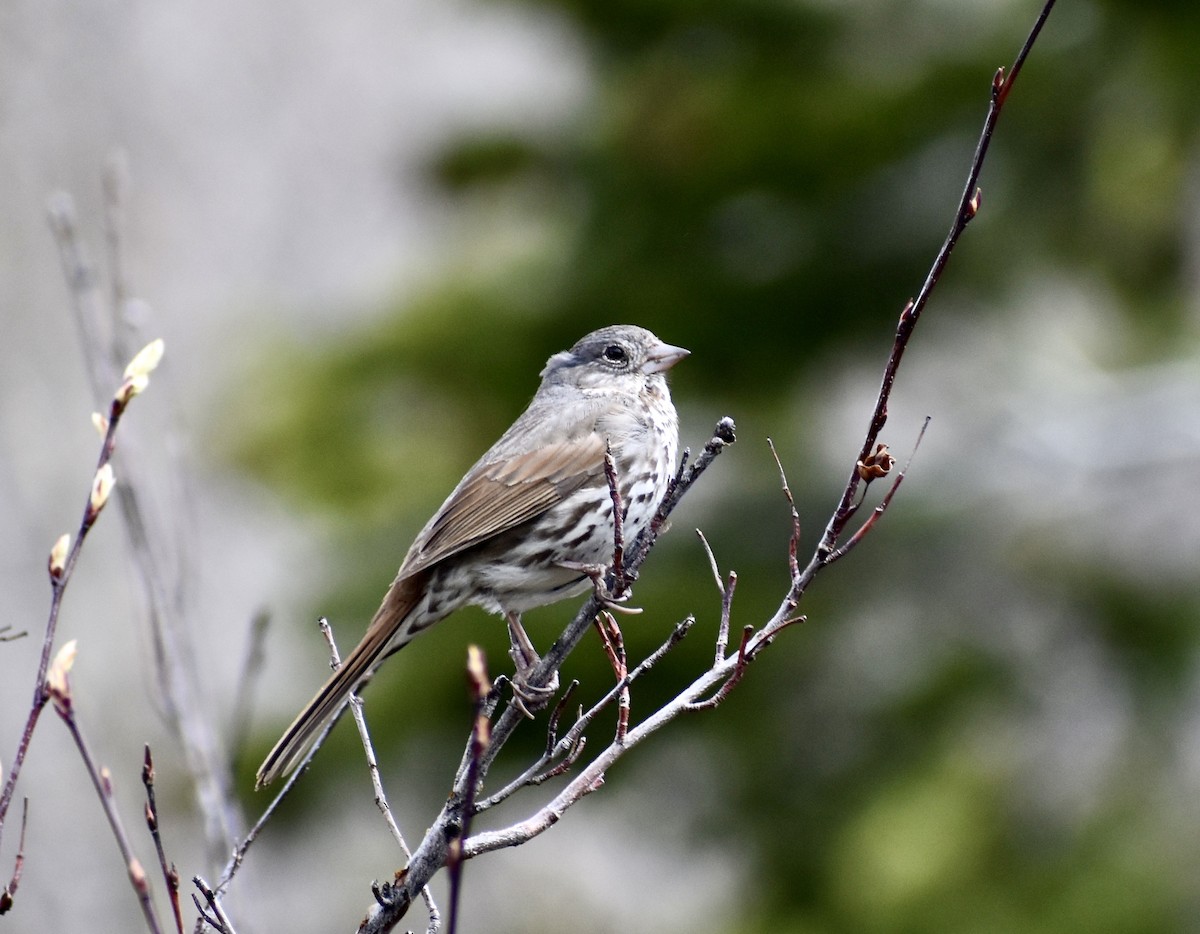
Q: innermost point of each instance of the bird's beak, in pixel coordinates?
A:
(663, 357)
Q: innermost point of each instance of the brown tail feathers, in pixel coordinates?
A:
(298, 738)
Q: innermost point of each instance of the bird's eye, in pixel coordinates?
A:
(615, 353)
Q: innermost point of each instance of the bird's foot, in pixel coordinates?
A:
(597, 574)
(527, 697)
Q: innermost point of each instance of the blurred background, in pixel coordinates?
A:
(363, 228)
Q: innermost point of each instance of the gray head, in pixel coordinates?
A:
(623, 353)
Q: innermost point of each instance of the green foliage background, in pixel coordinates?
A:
(766, 182)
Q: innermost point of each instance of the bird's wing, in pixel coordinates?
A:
(497, 495)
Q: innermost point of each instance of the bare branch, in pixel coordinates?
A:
(211, 912)
(387, 895)
(726, 590)
(794, 541)
(614, 648)
(360, 721)
(59, 690)
(115, 182)
(481, 689)
(239, 852)
(540, 771)
(968, 207)
(169, 872)
(712, 563)
(10, 890)
(739, 669)
(356, 711)
(878, 511)
(620, 582)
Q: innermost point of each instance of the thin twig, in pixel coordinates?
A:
(712, 563)
(10, 890)
(87, 300)
(878, 511)
(739, 669)
(213, 915)
(381, 801)
(726, 615)
(573, 741)
(364, 734)
(794, 541)
(968, 207)
(102, 781)
(355, 704)
(481, 689)
(556, 715)
(620, 582)
(726, 591)
(239, 852)
(534, 774)
(170, 873)
(115, 182)
(614, 648)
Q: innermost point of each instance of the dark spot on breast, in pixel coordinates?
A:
(582, 537)
(545, 556)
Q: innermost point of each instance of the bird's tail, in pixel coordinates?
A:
(378, 641)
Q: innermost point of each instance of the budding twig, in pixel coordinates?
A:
(58, 688)
(61, 563)
(170, 873)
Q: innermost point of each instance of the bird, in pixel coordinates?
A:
(531, 523)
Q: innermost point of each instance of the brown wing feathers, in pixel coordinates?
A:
(498, 496)
(495, 497)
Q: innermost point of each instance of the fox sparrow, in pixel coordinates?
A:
(532, 520)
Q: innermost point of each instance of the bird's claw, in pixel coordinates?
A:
(597, 574)
(530, 698)
(527, 697)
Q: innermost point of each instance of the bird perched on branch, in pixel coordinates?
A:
(532, 522)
